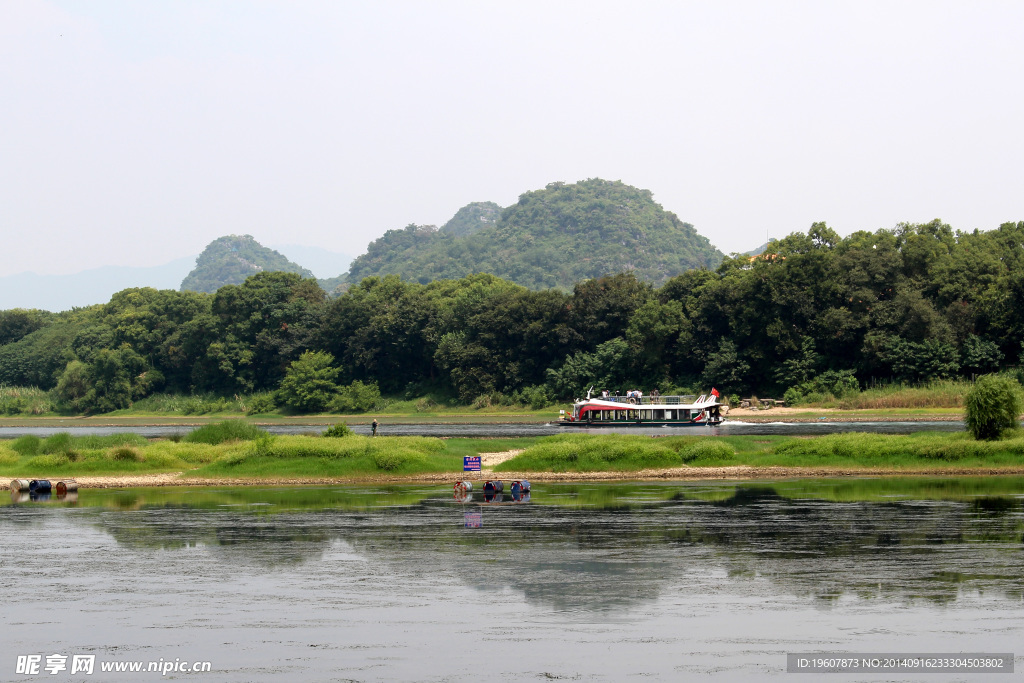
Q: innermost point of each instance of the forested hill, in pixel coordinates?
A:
(231, 259)
(555, 237)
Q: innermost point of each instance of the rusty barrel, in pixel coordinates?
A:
(66, 486)
(19, 484)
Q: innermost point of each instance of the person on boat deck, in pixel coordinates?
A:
(604, 393)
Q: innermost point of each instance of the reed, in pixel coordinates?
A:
(937, 394)
(226, 430)
(593, 453)
(333, 457)
(24, 401)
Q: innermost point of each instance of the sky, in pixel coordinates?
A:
(135, 132)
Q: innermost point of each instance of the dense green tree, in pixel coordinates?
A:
(263, 325)
(17, 323)
(310, 383)
(605, 368)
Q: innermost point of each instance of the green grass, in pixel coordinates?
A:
(227, 430)
(924, 450)
(356, 456)
(614, 452)
(335, 457)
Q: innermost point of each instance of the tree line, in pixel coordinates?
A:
(813, 312)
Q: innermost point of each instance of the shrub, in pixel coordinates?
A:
(57, 443)
(707, 449)
(337, 431)
(29, 444)
(992, 406)
(12, 405)
(536, 397)
(356, 398)
(126, 454)
(793, 397)
(309, 383)
(51, 460)
(227, 430)
(261, 403)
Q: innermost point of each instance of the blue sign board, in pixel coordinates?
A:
(471, 463)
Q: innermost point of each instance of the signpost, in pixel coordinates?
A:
(471, 463)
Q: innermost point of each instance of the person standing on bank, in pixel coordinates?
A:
(374, 427)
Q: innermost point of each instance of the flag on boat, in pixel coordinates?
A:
(714, 392)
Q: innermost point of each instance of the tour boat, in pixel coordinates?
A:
(637, 410)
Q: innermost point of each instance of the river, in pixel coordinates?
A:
(659, 581)
(505, 430)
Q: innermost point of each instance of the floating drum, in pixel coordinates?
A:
(38, 486)
(496, 486)
(19, 485)
(520, 486)
(64, 487)
(463, 486)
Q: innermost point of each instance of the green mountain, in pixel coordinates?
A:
(472, 218)
(553, 237)
(229, 260)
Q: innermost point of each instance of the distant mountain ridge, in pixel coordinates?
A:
(229, 260)
(93, 286)
(553, 237)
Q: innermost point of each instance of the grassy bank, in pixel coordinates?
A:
(237, 451)
(915, 452)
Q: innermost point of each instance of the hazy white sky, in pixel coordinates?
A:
(135, 132)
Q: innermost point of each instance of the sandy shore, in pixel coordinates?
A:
(738, 473)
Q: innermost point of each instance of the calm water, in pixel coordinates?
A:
(607, 582)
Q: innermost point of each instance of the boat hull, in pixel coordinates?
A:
(635, 423)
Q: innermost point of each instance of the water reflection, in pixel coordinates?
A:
(585, 581)
(598, 546)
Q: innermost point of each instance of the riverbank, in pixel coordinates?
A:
(467, 416)
(259, 459)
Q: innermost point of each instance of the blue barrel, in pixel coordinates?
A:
(39, 486)
(520, 486)
(495, 486)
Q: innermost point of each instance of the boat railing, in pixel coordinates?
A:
(649, 400)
